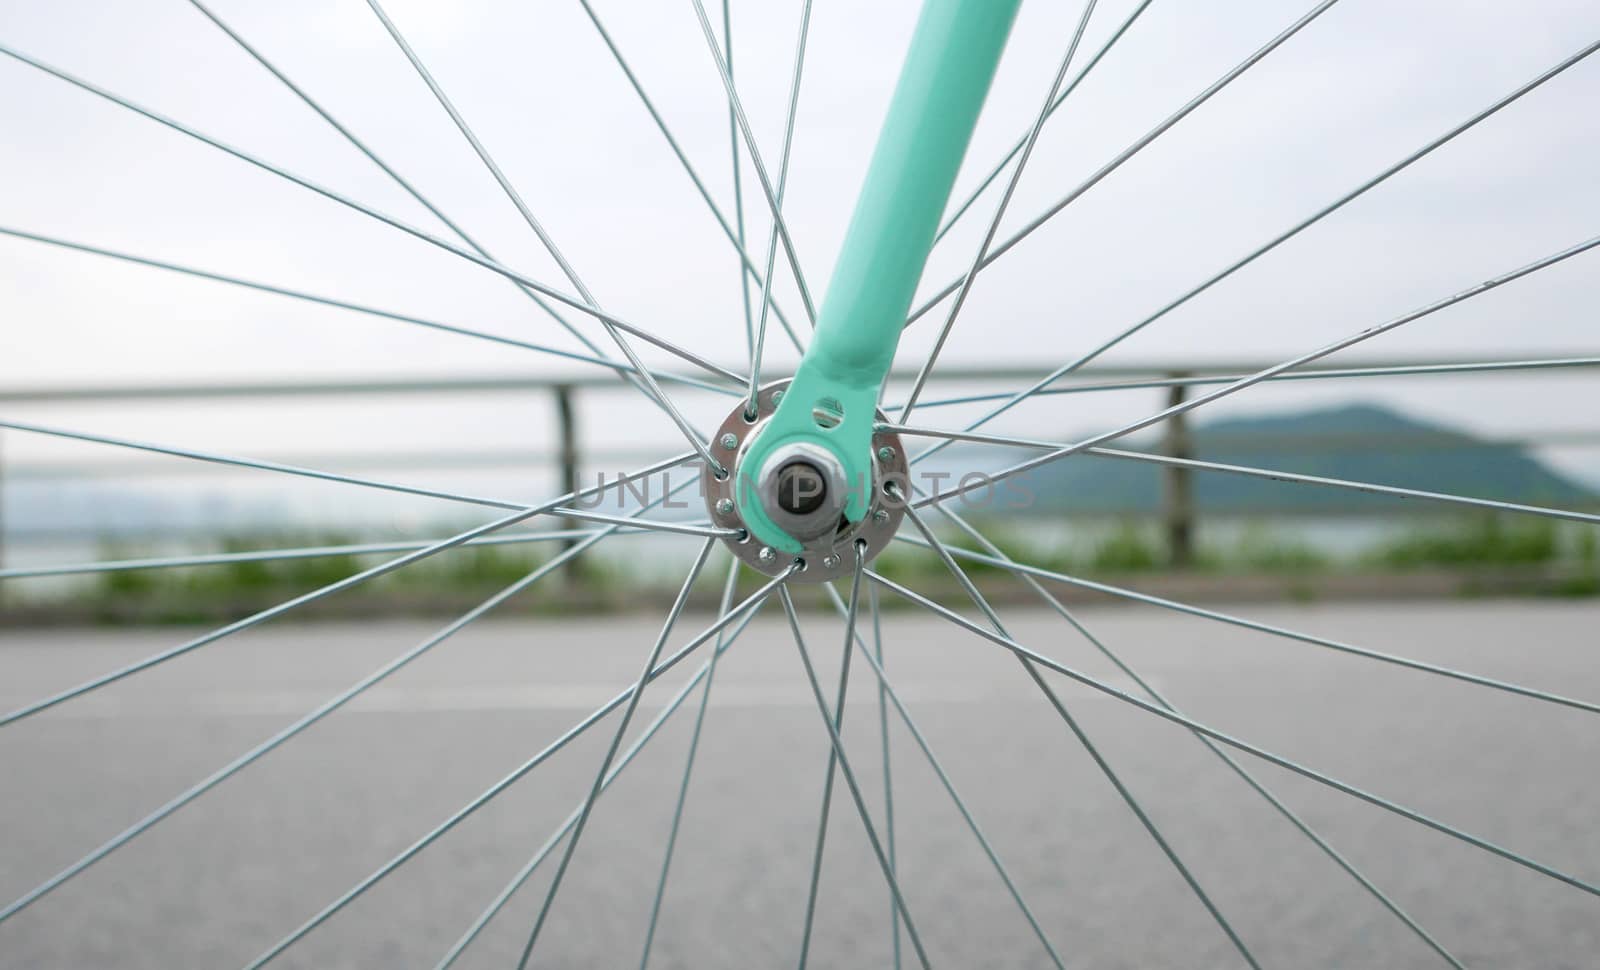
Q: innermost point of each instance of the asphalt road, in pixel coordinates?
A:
(224, 878)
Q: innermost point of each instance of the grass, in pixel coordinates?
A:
(1131, 547)
(1474, 547)
(172, 595)
(1484, 541)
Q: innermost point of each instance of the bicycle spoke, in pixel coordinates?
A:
(383, 166)
(304, 598)
(1296, 229)
(327, 707)
(1228, 759)
(618, 366)
(1288, 634)
(780, 227)
(783, 183)
(611, 752)
(738, 206)
(411, 230)
(653, 525)
(1306, 374)
(994, 222)
(1234, 742)
(886, 689)
(850, 777)
(1083, 739)
(688, 761)
(492, 791)
(888, 780)
(1256, 378)
(523, 874)
(827, 784)
(1060, 99)
(688, 168)
(1127, 153)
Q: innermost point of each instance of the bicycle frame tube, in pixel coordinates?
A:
(833, 397)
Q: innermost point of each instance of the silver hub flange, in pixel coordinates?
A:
(803, 492)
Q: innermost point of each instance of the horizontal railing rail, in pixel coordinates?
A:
(564, 451)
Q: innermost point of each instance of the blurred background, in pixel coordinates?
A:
(112, 347)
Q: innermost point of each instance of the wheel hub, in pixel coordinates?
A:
(803, 489)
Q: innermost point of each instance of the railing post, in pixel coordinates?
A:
(2, 500)
(1177, 483)
(567, 456)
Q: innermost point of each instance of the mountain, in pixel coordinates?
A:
(1358, 442)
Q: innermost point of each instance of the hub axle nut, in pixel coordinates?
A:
(802, 488)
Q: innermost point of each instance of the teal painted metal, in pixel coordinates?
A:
(834, 395)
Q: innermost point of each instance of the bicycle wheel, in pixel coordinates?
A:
(1325, 804)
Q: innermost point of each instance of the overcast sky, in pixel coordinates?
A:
(1358, 89)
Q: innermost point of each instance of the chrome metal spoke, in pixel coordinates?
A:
(780, 227)
(885, 689)
(1127, 153)
(1262, 375)
(618, 366)
(688, 168)
(1295, 230)
(1288, 813)
(783, 184)
(483, 154)
(611, 752)
(850, 613)
(651, 525)
(1083, 739)
(1305, 374)
(1238, 743)
(1288, 634)
(422, 234)
(305, 721)
(304, 598)
(1268, 473)
(523, 874)
(385, 167)
(994, 222)
(850, 777)
(738, 205)
(750, 602)
(888, 777)
(650, 389)
(1060, 99)
(563, 511)
(688, 762)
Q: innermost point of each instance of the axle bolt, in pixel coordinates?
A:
(729, 441)
(801, 488)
